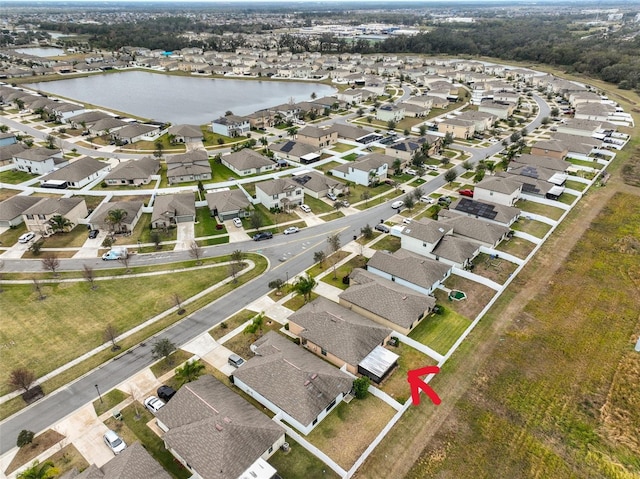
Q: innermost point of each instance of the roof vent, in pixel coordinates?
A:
(404, 297)
(307, 382)
(441, 230)
(219, 427)
(227, 420)
(315, 375)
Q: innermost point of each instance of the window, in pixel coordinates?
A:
(29, 217)
(315, 421)
(270, 450)
(331, 404)
(323, 352)
(42, 217)
(275, 197)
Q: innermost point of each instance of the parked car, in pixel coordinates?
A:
(382, 227)
(427, 199)
(332, 196)
(345, 204)
(165, 392)
(237, 222)
(93, 234)
(468, 193)
(444, 200)
(305, 208)
(26, 237)
(263, 236)
(235, 361)
(114, 442)
(407, 221)
(410, 171)
(291, 230)
(153, 404)
(396, 205)
(431, 167)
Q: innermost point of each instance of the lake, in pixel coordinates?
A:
(179, 99)
(41, 51)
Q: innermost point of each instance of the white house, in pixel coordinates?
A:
(495, 189)
(279, 193)
(39, 161)
(368, 169)
(231, 125)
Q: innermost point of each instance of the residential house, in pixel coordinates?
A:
(231, 125)
(87, 118)
(532, 186)
(247, 162)
(170, 210)
(576, 145)
(12, 208)
(497, 189)
(9, 151)
(551, 148)
(216, 434)
(349, 132)
(387, 303)
(37, 217)
(368, 169)
(39, 160)
(78, 173)
(292, 382)
(132, 463)
(463, 129)
(317, 185)
(414, 271)
(317, 137)
(488, 234)
(543, 161)
(481, 121)
(7, 139)
(390, 112)
(132, 213)
(589, 128)
(136, 132)
(228, 204)
(594, 111)
(191, 166)
(261, 119)
(295, 151)
(414, 111)
(186, 133)
(501, 110)
(540, 173)
(279, 193)
(106, 126)
(406, 149)
(340, 336)
(492, 212)
(133, 172)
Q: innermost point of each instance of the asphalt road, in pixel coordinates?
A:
(289, 255)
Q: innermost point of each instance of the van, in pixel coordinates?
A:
(115, 253)
(235, 361)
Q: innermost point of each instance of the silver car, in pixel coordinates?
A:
(114, 442)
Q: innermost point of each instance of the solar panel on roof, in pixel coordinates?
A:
(529, 171)
(529, 188)
(288, 146)
(476, 208)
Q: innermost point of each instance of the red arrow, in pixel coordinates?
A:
(416, 383)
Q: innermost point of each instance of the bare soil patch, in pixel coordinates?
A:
(29, 452)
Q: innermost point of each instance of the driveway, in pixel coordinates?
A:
(236, 234)
(186, 234)
(91, 247)
(18, 249)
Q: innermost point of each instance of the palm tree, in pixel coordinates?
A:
(191, 371)
(39, 471)
(59, 223)
(115, 218)
(303, 286)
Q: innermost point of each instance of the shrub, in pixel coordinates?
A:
(361, 387)
(25, 437)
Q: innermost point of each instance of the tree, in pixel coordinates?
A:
(36, 246)
(276, 284)
(38, 289)
(319, 257)
(304, 286)
(545, 121)
(190, 371)
(256, 324)
(367, 231)
(25, 437)
(365, 196)
(334, 246)
(59, 223)
(450, 175)
(39, 470)
(110, 334)
(409, 202)
(337, 205)
(555, 111)
(196, 252)
(293, 131)
(361, 387)
(422, 129)
(156, 239)
(255, 218)
(397, 165)
(124, 260)
(177, 301)
(50, 142)
(51, 263)
(237, 257)
(21, 378)
(447, 140)
(467, 165)
(162, 348)
(115, 218)
(391, 125)
(159, 148)
(417, 193)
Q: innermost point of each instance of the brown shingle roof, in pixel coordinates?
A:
(411, 267)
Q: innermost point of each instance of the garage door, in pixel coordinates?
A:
(184, 219)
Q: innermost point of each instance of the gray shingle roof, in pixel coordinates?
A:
(316, 181)
(226, 201)
(53, 206)
(13, 207)
(476, 229)
(369, 162)
(135, 169)
(215, 430)
(493, 211)
(349, 132)
(295, 148)
(246, 159)
(36, 154)
(499, 185)
(187, 131)
(386, 299)
(78, 170)
(340, 331)
(411, 267)
(426, 230)
(277, 186)
(9, 151)
(131, 207)
(169, 206)
(295, 380)
(456, 249)
(314, 132)
(134, 463)
(543, 161)
(133, 130)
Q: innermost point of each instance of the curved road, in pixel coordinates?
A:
(288, 256)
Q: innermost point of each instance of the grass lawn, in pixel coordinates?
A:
(389, 243)
(335, 434)
(317, 206)
(6, 193)
(298, 463)
(557, 398)
(567, 198)
(10, 237)
(73, 239)
(320, 268)
(171, 362)
(109, 400)
(93, 201)
(590, 164)
(215, 240)
(518, 247)
(496, 269)
(133, 427)
(328, 166)
(342, 147)
(39, 330)
(15, 177)
(297, 302)
(231, 323)
(275, 218)
(575, 185)
(532, 227)
(206, 224)
(241, 342)
(351, 157)
(396, 385)
(355, 191)
(539, 209)
(478, 295)
(333, 216)
(212, 139)
(219, 172)
(342, 271)
(440, 331)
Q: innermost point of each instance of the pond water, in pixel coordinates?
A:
(41, 51)
(180, 99)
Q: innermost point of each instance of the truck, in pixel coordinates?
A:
(115, 253)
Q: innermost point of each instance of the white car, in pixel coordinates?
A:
(26, 237)
(291, 230)
(396, 205)
(331, 196)
(407, 221)
(114, 442)
(305, 208)
(237, 222)
(410, 171)
(427, 199)
(345, 204)
(431, 167)
(153, 404)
